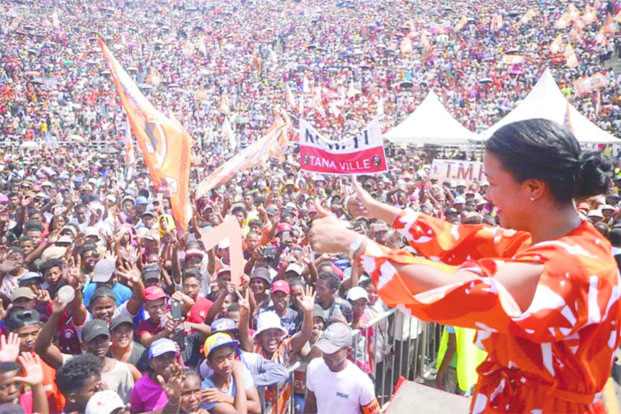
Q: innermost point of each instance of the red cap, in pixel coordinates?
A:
(281, 286)
(283, 227)
(154, 293)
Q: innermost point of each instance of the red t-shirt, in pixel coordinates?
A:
(198, 312)
(148, 326)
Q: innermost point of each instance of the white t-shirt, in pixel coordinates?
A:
(341, 392)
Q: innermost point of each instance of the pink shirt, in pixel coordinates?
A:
(147, 396)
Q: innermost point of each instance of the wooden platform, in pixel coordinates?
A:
(413, 397)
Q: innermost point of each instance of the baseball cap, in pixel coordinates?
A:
(225, 269)
(268, 320)
(261, 273)
(218, 340)
(595, 213)
(336, 336)
(223, 325)
(94, 328)
(22, 292)
(29, 276)
(194, 252)
(91, 231)
(19, 318)
(162, 346)
(318, 312)
(151, 271)
(295, 267)
(154, 293)
(104, 402)
(120, 320)
(283, 227)
(459, 200)
(102, 292)
(356, 293)
(104, 268)
(281, 286)
(141, 200)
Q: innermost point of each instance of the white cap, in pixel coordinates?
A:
(595, 213)
(103, 270)
(295, 267)
(459, 200)
(606, 207)
(104, 402)
(356, 293)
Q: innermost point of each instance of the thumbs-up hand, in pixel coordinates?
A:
(361, 203)
(328, 234)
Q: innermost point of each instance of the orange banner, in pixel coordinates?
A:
(460, 25)
(571, 60)
(247, 158)
(588, 84)
(590, 15)
(527, 17)
(154, 78)
(164, 143)
(557, 44)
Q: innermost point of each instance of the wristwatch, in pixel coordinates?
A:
(354, 246)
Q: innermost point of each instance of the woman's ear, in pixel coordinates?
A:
(535, 188)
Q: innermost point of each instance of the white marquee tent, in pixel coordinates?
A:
(546, 101)
(430, 123)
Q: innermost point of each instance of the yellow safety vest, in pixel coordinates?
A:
(468, 356)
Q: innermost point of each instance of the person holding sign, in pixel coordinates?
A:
(543, 291)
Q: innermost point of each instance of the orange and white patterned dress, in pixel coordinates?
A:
(554, 357)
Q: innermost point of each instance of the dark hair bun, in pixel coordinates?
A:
(592, 174)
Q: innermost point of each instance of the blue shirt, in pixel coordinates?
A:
(121, 293)
(232, 391)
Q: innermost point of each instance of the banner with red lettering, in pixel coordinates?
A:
(362, 154)
(468, 171)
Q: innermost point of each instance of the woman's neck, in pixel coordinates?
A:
(553, 221)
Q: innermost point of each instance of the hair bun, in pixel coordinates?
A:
(592, 174)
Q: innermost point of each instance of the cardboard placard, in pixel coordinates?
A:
(228, 229)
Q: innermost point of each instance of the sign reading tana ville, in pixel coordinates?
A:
(362, 154)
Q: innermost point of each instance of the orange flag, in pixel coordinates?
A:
(588, 84)
(527, 17)
(154, 77)
(406, 46)
(573, 12)
(571, 60)
(225, 105)
(164, 143)
(425, 42)
(460, 25)
(248, 158)
(609, 26)
(289, 96)
(557, 44)
(590, 15)
(563, 21)
(496, 23)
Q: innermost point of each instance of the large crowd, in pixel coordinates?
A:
(108, 306)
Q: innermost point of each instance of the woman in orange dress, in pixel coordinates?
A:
(542, 291)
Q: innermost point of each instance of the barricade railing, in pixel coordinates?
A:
(391, 345)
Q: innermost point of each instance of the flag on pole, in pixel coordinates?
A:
(225, 105)
(248, 158)
(55, 20)
(527, 17)
(164, 143)
(609, 26)
(513, 59)
(227, 133)
(289, 96)
(557, 44)
(406, 46)
(563, 21)
(154, 78)
(618, 17)
(461, 24)
(585, 85)
(188, 48)
(573, 12)
(130, 155)
(567, 119)
(305, 85)
(380, 108)
(589, 15)
(424, 40)
(496, 23)
(571, 60)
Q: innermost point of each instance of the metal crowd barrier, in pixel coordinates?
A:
(401, 346)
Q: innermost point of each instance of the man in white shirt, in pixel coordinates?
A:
(335, 384)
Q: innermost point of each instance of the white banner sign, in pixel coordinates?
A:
(468, 171)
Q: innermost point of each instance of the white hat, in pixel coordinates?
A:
(295, 267)
(104, 402)
(459, 200)
(606, 207)
(356, 293)
(91, 231)
(103, 270)
(595, 213)
(268, 320)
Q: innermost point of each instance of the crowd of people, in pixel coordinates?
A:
(108, 306)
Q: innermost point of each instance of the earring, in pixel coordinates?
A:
(532, 199)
